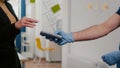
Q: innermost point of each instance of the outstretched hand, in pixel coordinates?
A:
(66, 38)
(25, 22)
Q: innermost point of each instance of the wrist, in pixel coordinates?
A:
(17, 25)
(71, 37)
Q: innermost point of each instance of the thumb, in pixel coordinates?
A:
(59, 32)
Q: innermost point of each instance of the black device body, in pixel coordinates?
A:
(50, 35)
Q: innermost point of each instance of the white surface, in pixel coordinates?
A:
(84, 62)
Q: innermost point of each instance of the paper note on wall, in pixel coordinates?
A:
(55, 8)
(32, 1)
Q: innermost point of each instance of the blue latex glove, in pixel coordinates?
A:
(111, 58)
(66, 38)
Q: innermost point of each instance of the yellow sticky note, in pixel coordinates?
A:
(55, 8)
(32, 1)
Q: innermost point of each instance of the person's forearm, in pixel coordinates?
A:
(90, 33)
(98, 31)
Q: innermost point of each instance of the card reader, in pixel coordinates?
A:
(54, 36)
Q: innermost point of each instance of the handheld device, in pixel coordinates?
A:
(54, 36)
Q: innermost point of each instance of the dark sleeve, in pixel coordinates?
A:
(13, 29)
(118, 12)
(13, 32)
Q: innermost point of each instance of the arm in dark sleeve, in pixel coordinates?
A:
(13, 32)
(13, 29)
(118, 12)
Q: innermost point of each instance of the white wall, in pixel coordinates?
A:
(80, 17)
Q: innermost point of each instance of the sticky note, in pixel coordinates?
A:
(32, 1)
(55, 8)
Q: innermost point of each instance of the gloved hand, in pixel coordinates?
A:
(66, 38)
(112, 58)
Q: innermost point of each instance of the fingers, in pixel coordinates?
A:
(59, 32)
(53, 39)
(30, 20)
(27, 22)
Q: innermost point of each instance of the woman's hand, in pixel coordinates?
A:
(25, 22)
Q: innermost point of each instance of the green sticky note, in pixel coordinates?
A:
(32, 1)
(55, 8)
